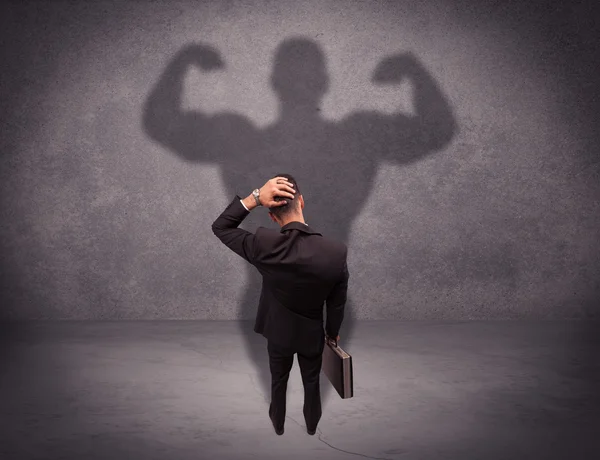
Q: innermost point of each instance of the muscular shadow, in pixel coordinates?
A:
(335, 163)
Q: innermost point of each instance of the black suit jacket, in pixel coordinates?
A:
(301, 271)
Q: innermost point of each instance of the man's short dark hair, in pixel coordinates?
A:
(292, 205)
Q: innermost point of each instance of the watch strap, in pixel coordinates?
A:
(255, 194)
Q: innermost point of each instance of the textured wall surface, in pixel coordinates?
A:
(451, 145)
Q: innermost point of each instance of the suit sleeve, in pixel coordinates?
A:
(225, 227)
(336, 303)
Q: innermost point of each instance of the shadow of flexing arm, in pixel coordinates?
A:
(400, 138)
(193, 135)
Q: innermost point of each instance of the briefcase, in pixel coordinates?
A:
(337, 366)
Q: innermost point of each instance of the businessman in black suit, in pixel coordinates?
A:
(301, 270)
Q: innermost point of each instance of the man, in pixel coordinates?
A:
(301, 270)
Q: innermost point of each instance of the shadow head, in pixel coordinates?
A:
(299, 71)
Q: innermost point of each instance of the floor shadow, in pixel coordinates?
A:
(335, 163)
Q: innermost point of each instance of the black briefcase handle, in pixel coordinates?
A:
(330, 340)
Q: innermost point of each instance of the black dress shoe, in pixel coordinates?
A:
(279, 431)
(311, 432)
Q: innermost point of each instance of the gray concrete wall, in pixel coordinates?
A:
(454, 152)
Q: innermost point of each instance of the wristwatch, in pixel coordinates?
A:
(256, 194)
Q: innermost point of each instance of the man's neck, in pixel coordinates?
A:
(300, 219)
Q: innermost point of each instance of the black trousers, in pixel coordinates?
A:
(280, 363)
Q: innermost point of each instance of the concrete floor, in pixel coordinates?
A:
(188, 390)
